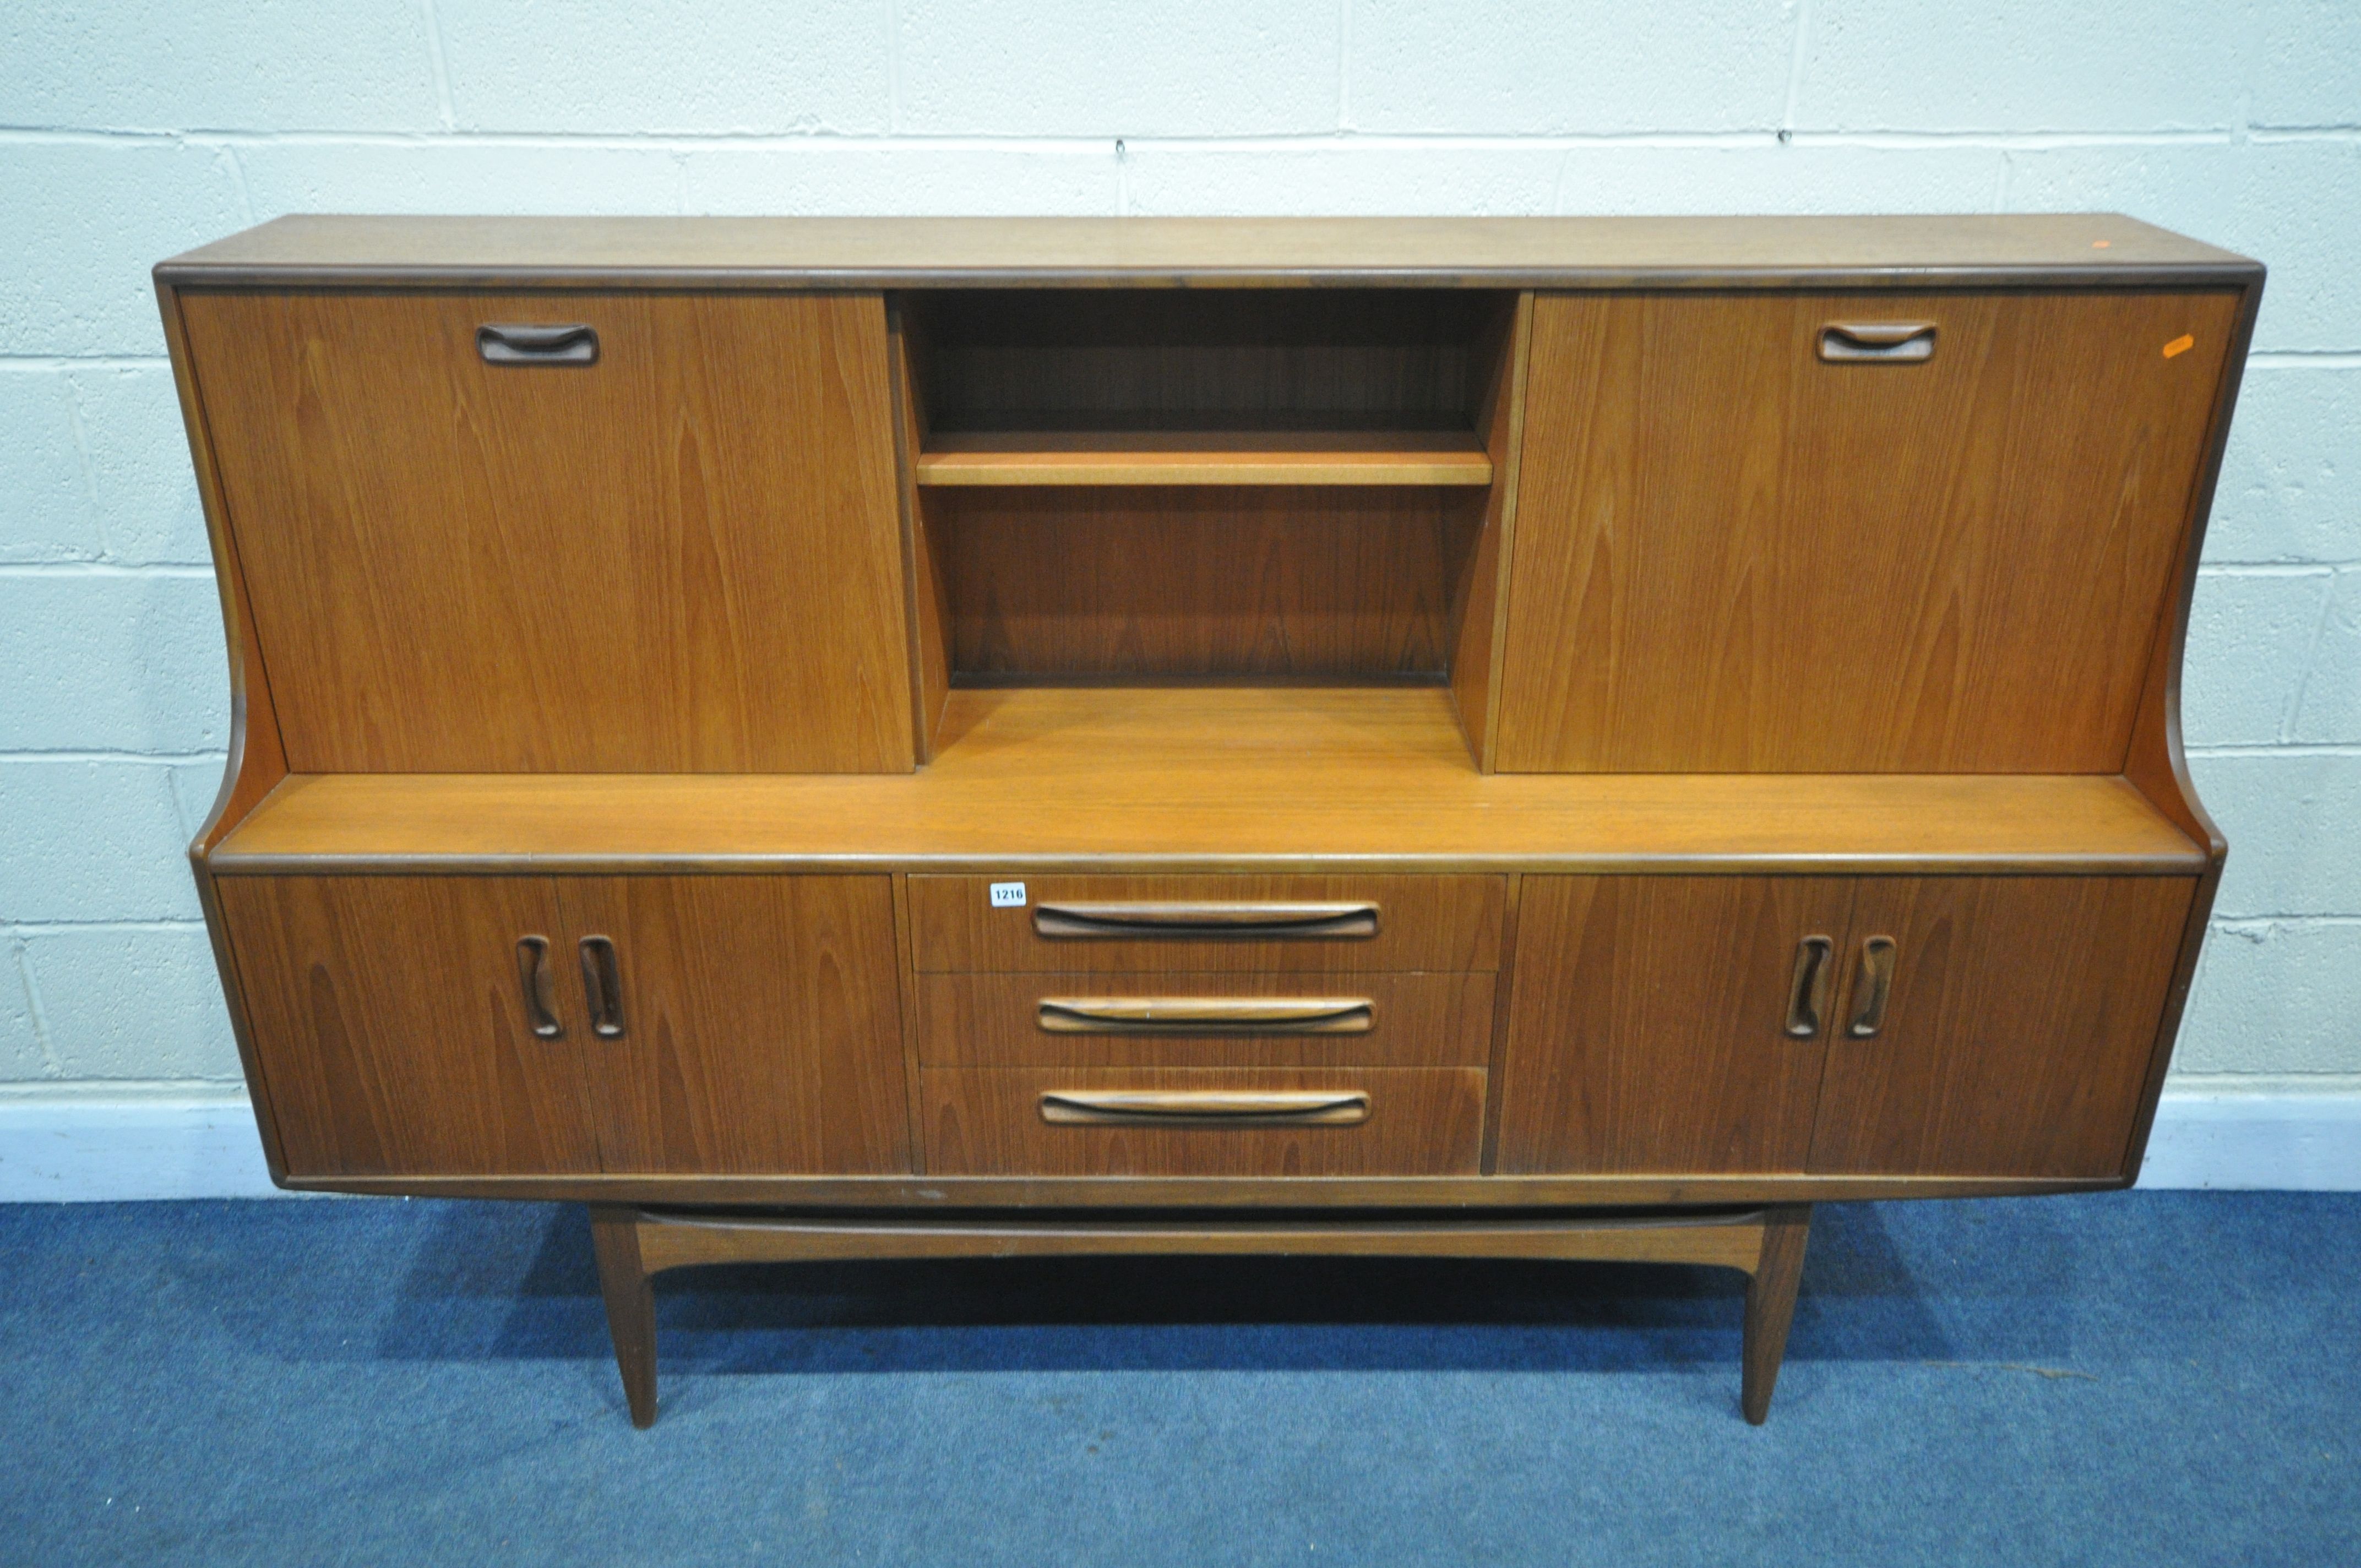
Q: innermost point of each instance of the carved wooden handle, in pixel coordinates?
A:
(1208, 922)
(602, 983)
(1807, 995)
(1204, 1108)
(518, 343)
(1205, 1014)
(1878, 342)
(532, 979)
(1869, 992)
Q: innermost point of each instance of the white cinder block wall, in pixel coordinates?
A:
(134, 129)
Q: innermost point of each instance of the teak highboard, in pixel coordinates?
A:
(1564, 737)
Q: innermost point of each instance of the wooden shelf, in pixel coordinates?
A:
(1247, 778)
(1204, 457)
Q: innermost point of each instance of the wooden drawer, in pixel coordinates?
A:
(1163, 923)
(1203, 1122)
(1205, 1020)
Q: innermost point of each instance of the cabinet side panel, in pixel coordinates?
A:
(1735, 554)
(387, 1014)
(761, 1023)
(1479, 602)
(685, 556)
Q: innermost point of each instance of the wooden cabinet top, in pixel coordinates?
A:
(2058, 249)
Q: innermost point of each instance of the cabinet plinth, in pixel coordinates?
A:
(926, 733)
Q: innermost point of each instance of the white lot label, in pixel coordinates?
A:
(1008, 895)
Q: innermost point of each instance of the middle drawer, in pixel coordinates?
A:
(1165, 1019)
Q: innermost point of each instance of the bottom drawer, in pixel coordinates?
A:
(1203, 1122)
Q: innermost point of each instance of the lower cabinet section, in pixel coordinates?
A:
(559, 1026)
(720, 1024)
(1203, 1122)
(1939, 1026)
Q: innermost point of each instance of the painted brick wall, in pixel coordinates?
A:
(131, 130)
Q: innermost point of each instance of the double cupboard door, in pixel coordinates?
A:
(1950, 1025)
(564, 1025)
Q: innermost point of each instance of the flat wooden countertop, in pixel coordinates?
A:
(1211, 778)
(2068, 249)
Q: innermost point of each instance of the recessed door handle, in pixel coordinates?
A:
(1807, 993)
(1208, 922)
(1870, 988)
(1205, 1014)
(1878, 342)
(532, 979)
(521, 343)
(602, 983)
(1212, 1108)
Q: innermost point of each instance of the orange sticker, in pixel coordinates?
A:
(2100, 244)
(2180, 345)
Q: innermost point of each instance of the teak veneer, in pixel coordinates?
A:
(1554, 738)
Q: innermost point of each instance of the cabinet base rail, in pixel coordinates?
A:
(635, 1244)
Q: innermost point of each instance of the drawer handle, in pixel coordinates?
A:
(1878, 342)
(516, 343)
(532, 979)
(602, 981)
(1208, 922)
(1206, 1015)
(1808, 996)
(1204, 1108)
(1869, 991)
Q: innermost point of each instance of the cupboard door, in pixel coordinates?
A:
(1649, 1027)
(761, 1023)
(682, 556)
(2017, 1027)
(391, 1024)
(1733, 555)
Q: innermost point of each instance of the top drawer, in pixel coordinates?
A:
(1295, 923)
(572, 532)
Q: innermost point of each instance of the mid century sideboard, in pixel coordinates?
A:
(1557, 738)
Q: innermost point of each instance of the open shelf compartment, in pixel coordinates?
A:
(1223, 486)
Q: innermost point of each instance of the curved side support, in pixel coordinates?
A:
(257, 761)
(2155, 762)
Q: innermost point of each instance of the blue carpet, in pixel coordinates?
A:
(2132, 1379)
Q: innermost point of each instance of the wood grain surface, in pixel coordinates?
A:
(683, 557)
(1318, 581)
(1479, 597)
(1194, 360)
(2017, 1030)
(768, 252)
(1421, 1121)
(1732, 555)
(1447, 923)
(1267, 778)
(1204, 457)
(1648, 1030)
(1417, 1020)
(1715, 1239)
(388, 1022)
(763, 1019)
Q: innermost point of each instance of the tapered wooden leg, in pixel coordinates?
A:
(631, 1306)
(1771, 1303)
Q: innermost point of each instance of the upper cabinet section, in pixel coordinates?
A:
(563, 532)
(1850, 532)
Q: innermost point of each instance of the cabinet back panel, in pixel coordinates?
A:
(1153, 359)
(684, 557)
(1347, 581)
(1732, 555)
